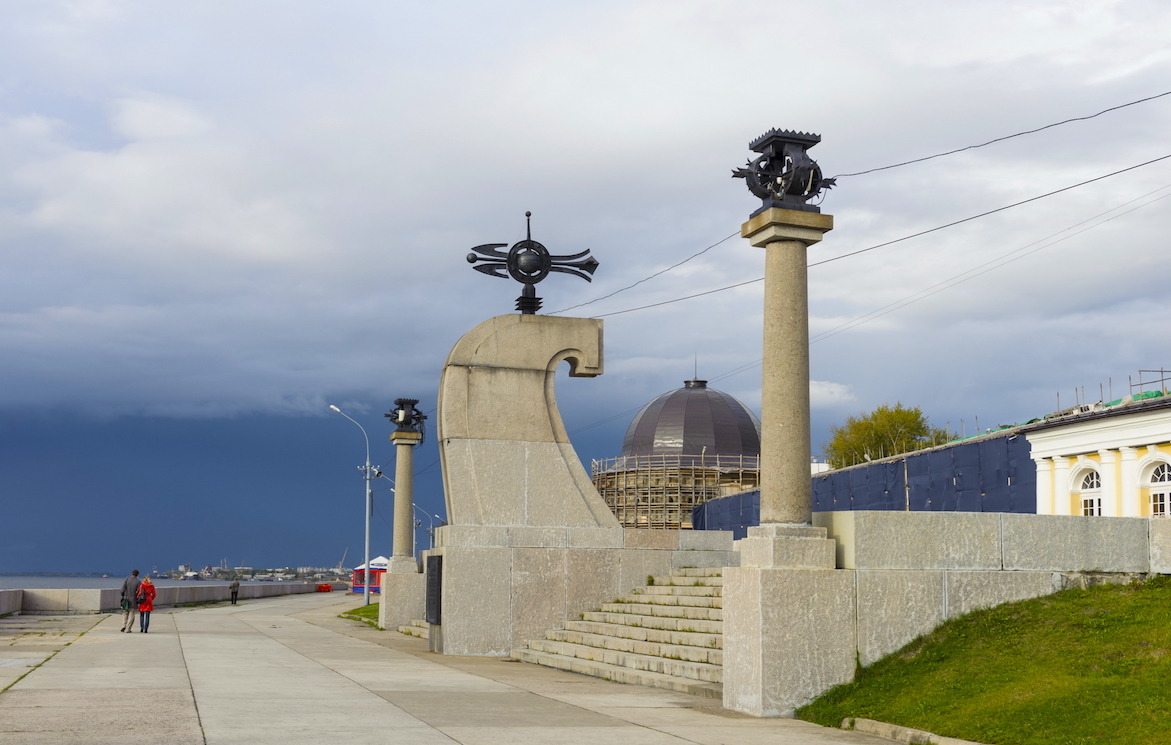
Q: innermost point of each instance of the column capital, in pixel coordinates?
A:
(406, 438)
(776, 224)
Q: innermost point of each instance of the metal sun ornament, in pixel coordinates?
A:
(528, 262)
(407, 417)
(784, 175)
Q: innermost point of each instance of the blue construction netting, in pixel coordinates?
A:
(990, 475)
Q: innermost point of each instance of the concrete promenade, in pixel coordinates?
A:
(288, 671)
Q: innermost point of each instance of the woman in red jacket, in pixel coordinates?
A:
(146, 603)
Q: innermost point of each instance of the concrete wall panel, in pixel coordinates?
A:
(896, 607)
(1071, 543)
(969, 591)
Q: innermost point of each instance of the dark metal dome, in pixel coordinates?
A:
(693, 420)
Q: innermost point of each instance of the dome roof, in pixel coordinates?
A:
(688, 420)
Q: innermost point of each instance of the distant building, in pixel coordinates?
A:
(1101, 460)
(684, 448)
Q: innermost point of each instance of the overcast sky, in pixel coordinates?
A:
(217, 218)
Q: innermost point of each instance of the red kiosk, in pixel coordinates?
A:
(377, 569)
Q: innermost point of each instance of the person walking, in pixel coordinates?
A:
(235, 588)
(146, 603)
(130, 587)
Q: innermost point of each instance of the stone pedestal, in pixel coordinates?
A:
(789, 621)
(403, 597)
(785, 495)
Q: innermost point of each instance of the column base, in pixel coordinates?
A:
(402, 565)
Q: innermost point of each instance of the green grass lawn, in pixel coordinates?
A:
(1080, 666)
(365, 613)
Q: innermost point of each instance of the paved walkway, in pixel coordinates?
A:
(288, 671)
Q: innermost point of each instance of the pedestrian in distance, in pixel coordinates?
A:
(146, 603)
(130, 587)
(235, 588)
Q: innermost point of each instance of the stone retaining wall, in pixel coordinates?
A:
(56, 602)
(10, 601)
(915, 570)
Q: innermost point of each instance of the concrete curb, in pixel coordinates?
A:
(900, 734)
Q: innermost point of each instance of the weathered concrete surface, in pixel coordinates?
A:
(894, 608)
(1065, 543)
(969, 591)
(403, 546)
(403, 599)
(288, 671)
(507, 459)
(789, 635)
(877, 539)
(1160, 537)
(522, 581)
(10, 601)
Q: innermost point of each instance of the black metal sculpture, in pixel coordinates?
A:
(784, 175)
(407, 417)
(528, 262)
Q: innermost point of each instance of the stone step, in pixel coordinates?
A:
(682, 590)
(701, 671)
(688, 653)
(642, 633)
(620, 674)
(417, 628)
(655, 599)
(698, 572)
(666, 611)
(681, 581)
(666, 623)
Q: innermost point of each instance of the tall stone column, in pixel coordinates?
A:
(403, 549)
(789, 614)
(785, 494)
(403, 589)
(1107, 469)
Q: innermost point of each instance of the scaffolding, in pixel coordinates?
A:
(658, 491)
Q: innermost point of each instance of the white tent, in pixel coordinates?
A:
(377, 564)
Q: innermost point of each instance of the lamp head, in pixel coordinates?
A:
(334, 408)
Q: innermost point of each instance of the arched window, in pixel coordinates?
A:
(1091, 494)
(1160, 490)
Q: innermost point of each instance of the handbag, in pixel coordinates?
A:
(125, 604)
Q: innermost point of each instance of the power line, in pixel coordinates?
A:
(644, 279)
(1006, 137)
(873, 170)
(990, 212)
(973, 273)
(897, 240)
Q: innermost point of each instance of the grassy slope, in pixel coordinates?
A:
(365, 613)
(1080, 666)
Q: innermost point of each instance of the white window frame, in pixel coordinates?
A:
(1090, 494)
(1159, 487)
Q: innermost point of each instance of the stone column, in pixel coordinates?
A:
(1108, 471)
(785, 495)
(1061, 494)
(403, 553)
(1128, 495)
(403, 586)
(1044, 486)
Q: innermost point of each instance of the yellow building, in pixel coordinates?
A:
(1106, 460)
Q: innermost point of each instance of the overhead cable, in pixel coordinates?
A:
(896, 240)
(644, 279)
(1006, 137)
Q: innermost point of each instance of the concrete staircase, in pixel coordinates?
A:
(668, 634)
(418, 627)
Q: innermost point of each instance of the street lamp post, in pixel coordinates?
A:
(368, 476)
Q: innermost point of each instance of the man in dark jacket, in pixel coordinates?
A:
(129, 601)
(234, 588)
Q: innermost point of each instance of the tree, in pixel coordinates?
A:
(883, 432)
